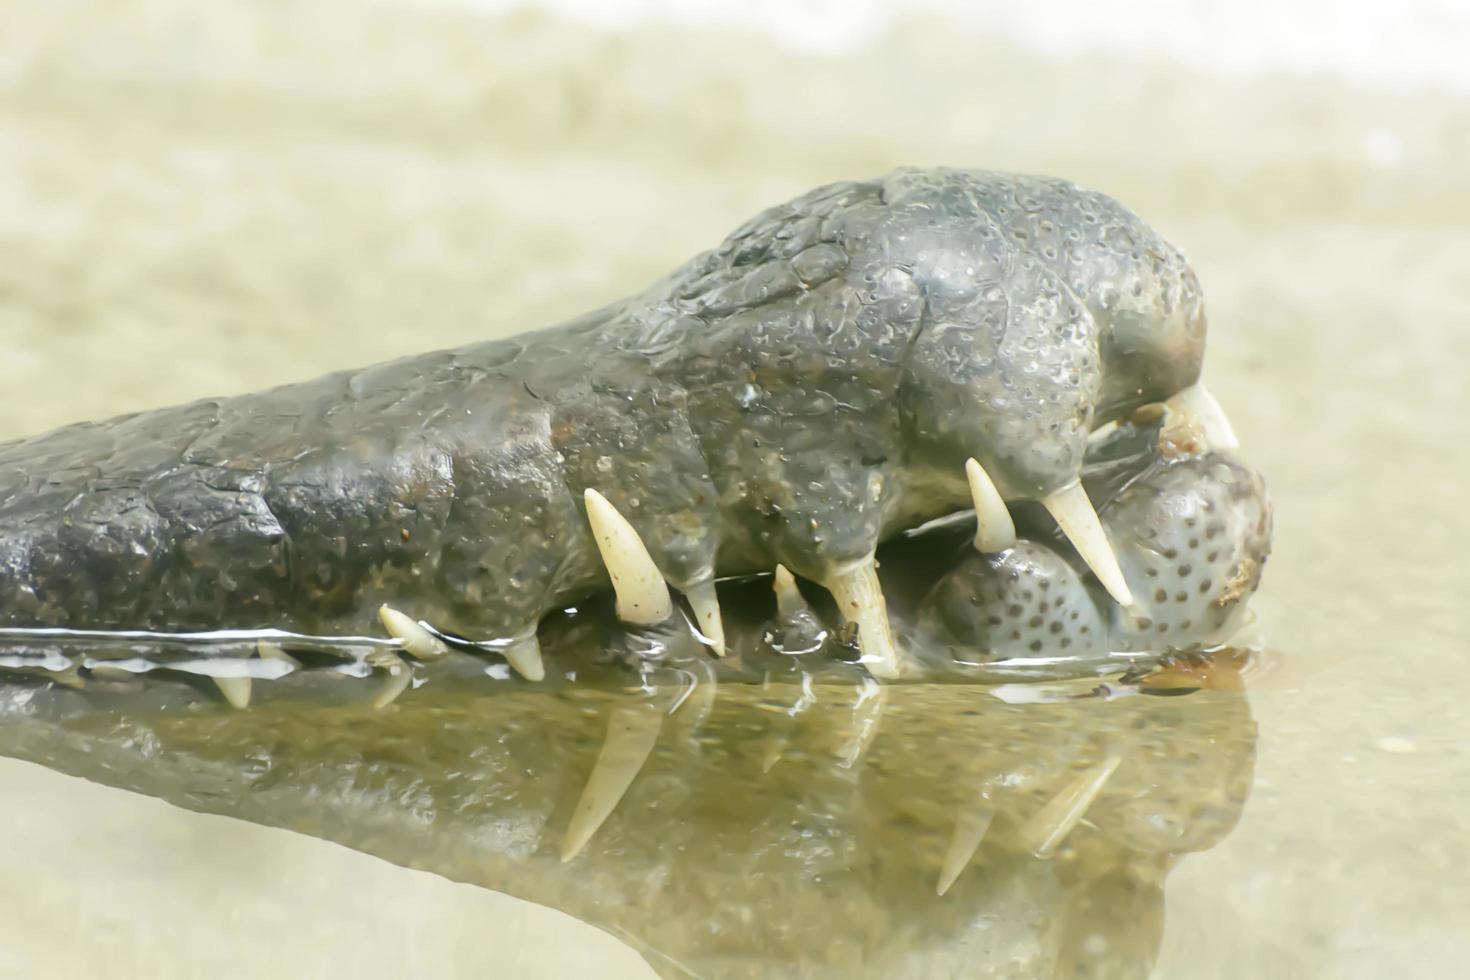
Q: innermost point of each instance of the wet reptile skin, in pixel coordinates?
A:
(799, 393)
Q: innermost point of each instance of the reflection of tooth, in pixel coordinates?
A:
(415, 639)
(235, 689)
(270, 650)
(1196, 403)
(867, 714)
(68, 676)
(107, 672)
(400, 675)
(524, 654)
(699, 690)
(643, 598)
(775, 748)
(706, 605)
(994, 529)
(1045, 831)
(631, 734)
(1074, 514)
(860, 600)
(789, 600)
(784, 724)
(970, 825)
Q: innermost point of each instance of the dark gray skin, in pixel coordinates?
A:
(798, 394)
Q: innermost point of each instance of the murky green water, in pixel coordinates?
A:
(197, 204)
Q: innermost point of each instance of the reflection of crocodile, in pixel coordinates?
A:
(775, 809)
(719, 863)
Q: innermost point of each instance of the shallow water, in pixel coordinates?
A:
(200, 205)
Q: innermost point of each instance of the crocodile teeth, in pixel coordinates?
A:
(235, 689)
(400, 675)
(789, 600)
(970, 827)
(415, 639)
(706, 605)
(642, 595)
(860, 600)
(1197, 404)
(524, 655)
(631, 734)
(1074, 513)
(1045, 831)
(994, 529)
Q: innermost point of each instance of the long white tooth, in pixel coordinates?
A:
(631, 734)
(706, 605)
(643, 596)
(860, 600)
(1045, 831)
(789, 600)
(994, 529)
(415, 639)
(235, 689)
(1197, 403)
(970, 826)
(399, 676)
(524, 654)
(1075, 515)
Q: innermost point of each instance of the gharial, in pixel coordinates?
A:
(845, 367)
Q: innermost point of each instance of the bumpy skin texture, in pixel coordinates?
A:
(1192, 535)
(1024, 602)
(810, 386)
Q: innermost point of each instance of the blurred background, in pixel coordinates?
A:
(200, 199)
